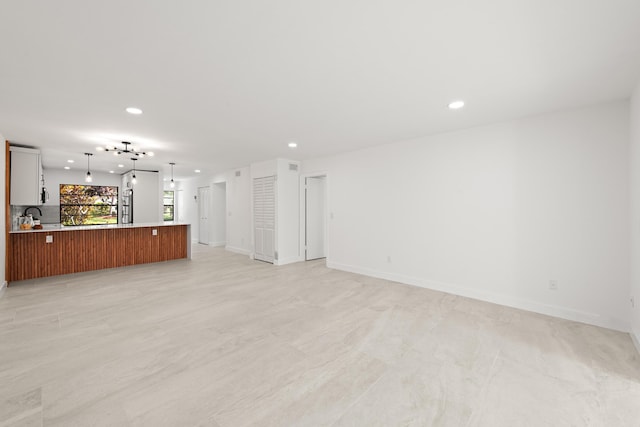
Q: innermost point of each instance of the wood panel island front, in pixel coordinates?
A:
(63, 250)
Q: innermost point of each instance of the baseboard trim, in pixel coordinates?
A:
(506, 300)
(237, 250)
(217, 244)
(636, 340)
(286, 261)
(3, 286)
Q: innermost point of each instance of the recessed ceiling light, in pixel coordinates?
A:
(99, 148)
(120, 166)
(133, 110)
(67, 167)
(70, 161)
(150, 153)
(455, 105)
(197, 171)
(110, 171)
(293, 144)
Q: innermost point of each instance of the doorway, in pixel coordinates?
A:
(219, 214)
(315, 196)
(203, 215)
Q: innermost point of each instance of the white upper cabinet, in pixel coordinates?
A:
(26, 175)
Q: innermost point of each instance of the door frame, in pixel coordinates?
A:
(275, 223)
(199, 200)
(303, 213)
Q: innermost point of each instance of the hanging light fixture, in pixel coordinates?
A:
(88, 177)
(126, 149)
(133, 178)
(173, 184)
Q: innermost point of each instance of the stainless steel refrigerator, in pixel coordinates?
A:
(127, 206)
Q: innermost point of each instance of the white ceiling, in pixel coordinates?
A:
(226, 83)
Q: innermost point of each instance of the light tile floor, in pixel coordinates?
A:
(225, 341)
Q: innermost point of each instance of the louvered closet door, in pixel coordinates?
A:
(264, 217)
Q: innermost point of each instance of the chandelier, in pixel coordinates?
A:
(128, 149)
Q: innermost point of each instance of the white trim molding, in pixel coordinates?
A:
(286, 261)
(3, 286)
(238, 250)
(505, 300)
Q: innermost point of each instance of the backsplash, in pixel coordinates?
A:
(50, 214)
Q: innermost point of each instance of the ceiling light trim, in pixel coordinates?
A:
(456, 105)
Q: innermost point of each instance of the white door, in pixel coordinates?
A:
(315, 227)
(264, 218)
(203, 215)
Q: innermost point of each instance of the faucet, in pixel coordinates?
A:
(33, 207)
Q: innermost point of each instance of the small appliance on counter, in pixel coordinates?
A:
(26, 222)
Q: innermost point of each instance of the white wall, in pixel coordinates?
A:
(262, 169)
(238, 233)
(238, 206)
(147, 197)
(150, 195)
(188, 205)
(495, 213)
(54, 177)
(635, 214)
(239, 210)
(288, 220)
(219, 214)
(181, 201)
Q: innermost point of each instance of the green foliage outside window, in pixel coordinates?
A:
(88, 204)
(168, 202)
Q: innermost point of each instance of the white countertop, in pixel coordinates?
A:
(58, 227)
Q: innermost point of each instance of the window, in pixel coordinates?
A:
(88, 204)
(169, 207)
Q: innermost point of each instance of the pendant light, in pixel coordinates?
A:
(88, 177)
(133, 178)
(173, 184)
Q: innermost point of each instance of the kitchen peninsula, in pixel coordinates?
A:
(57, 250)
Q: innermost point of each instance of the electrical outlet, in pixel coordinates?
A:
(49, 239)
(154, 232)
(553, 285)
